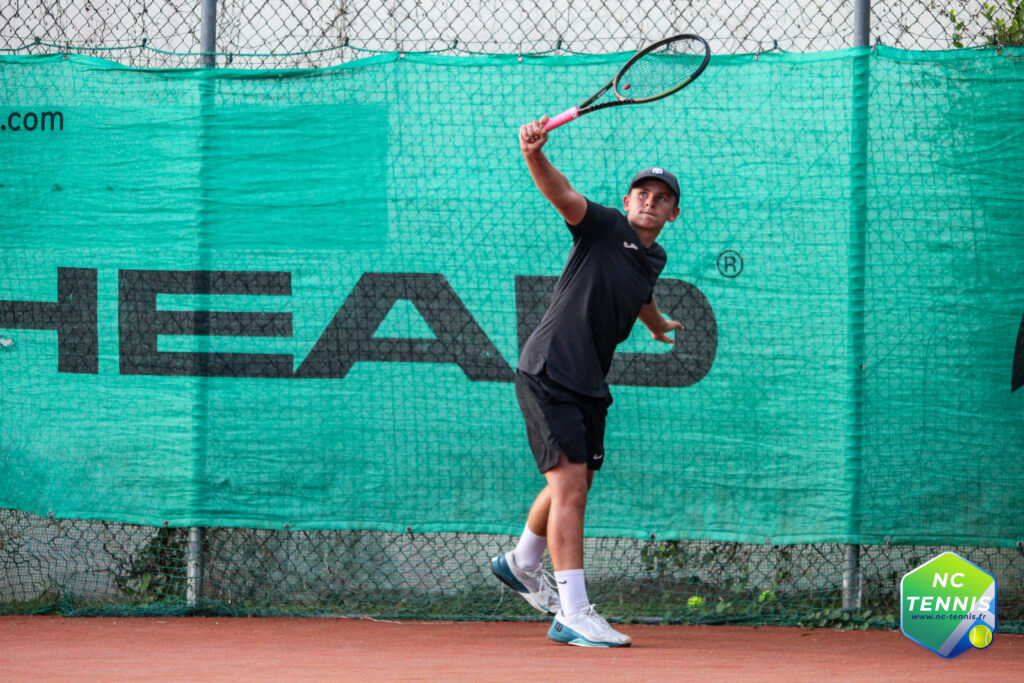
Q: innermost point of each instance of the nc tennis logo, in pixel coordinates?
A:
(948, 605)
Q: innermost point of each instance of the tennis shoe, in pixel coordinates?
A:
(586, 628)
(532, 584)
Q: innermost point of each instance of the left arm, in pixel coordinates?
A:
(651, 317)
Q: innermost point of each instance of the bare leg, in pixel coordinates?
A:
(566, 503)
(537, 520)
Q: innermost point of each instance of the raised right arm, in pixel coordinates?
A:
(549, 180)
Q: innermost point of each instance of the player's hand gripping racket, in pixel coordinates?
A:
(655, 72)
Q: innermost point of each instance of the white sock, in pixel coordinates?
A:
(529, 550)
(572, 591)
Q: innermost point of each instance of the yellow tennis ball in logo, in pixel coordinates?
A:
(980, 636)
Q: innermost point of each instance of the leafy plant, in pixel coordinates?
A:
(1003, 31)
(847, 620)
(730, 587)
(157, 572)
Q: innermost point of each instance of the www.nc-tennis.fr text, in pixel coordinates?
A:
(948, 617)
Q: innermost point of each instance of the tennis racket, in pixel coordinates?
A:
(653, 73)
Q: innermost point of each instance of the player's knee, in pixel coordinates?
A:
(573, 494)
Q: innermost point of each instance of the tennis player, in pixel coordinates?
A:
(606, 285)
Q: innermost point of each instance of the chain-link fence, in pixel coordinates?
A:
(94, 568)
(316, 33)
(89, 567)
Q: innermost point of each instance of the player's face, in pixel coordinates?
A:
(648, 206)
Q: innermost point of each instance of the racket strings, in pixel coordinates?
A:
(661, 70)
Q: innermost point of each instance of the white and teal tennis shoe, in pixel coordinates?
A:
(532, 584)
(586, 628)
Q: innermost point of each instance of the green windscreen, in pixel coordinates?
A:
(275, 298)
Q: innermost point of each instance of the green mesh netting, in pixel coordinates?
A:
(295, 299)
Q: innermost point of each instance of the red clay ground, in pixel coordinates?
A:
(264, 649)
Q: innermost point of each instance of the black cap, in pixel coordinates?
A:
(658, 174)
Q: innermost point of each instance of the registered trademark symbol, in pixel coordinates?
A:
(730, 263)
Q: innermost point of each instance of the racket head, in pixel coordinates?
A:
(662, 68)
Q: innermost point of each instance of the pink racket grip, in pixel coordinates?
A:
(563, 118)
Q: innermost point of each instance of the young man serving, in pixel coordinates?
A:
(606, 285)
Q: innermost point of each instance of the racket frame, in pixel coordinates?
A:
(588, 105)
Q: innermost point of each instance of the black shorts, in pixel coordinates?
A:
(561, 420)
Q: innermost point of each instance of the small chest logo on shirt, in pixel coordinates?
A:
(630, 245)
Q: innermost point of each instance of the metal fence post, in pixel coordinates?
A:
(861, 23)
(193, 567)
(852, 590)
(208, 47)
(208, 33)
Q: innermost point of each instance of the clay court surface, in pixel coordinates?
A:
(270, 649)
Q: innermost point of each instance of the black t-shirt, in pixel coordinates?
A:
(606, 281)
